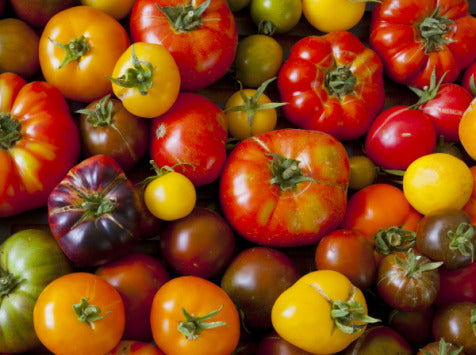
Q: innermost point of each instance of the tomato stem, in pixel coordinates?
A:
(286, 172)
(74, 49)
(192, 326)
(462, 239)
(88, 313)
(266, 27)
(388, 240)
(428, 92)
(95, 206)
(7, 282)
(433, 28)
(184, 18)
(416, 265)
(340, 81)
(10, 130)
(102, 114)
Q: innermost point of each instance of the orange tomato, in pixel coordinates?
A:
(467, 129)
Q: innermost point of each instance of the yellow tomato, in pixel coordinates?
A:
(333, 15)
(467, 129)
(436, 181)
(146, 79)
(118, 9)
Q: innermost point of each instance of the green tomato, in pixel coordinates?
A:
(283, 15)
(237, 5)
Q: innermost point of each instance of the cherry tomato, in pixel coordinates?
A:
(279, 16)
(363, 172)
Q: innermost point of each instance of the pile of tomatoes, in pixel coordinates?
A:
(238, 177)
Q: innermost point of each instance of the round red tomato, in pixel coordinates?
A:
(201, 36)
(269, 177)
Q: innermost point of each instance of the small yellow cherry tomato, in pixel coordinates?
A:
(437, 181)
(118, 9)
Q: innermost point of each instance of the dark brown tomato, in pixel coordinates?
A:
(456, 323)
(415, 327)
(273, 344)
(38, 12)
(350, 253)
(439, 347)
(200, 244)
(254, 279)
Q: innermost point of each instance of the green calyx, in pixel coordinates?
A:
(101, 115)
(340, 81)
(429, 92)
(286, 172)
(462, 239)
(444, 348)
(94, 206)
(88, 313)
(184, 18)
(8, 282)
(10, 131)
(192, 326)
(251, 105)
(266, 27)
(416, 265)
(74, 49)
(394, 239)
(472, 320)
(138, 76)
(432, 30)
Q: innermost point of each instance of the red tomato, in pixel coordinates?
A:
(201, 36)
(398, 136)
(39, 143)
(192, 134)
(182, 316)
(415, 37)
(130, 347)
(271, 176)
(457, 285)
(136, 277)
(332, 83)
(469, 79)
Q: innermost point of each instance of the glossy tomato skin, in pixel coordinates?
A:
(137, 277)
(398, 136)
(198, 297)
(254, 279)
(468, 76)
(415, 327)
(132, 347)
(263, 211)
(310, 80)
(59, 326)
(33, 259)
(395, 36)
(200, 244)
(49, 145)
(282, 14)
(273, 344)
(193, 134)
(457, 285)
(202, 54)
(38, 12)
(86, 79)
(89, 235)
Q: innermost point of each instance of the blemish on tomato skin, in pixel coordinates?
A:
(160, 131)
(406, 134)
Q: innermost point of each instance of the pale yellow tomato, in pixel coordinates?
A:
(437, 181)
(118, 9)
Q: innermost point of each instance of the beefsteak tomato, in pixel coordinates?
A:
(285, 187)
(39, 143)
(201, 35)
(332, 83)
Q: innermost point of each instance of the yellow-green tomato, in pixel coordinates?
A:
(118, 9)
(363, 172)
(303, 314)
(170, 196)
(333, 15)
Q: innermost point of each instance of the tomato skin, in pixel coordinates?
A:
(283, 14)
(398, 136)
(119, 9)
(194, 133)
(59, 328)
(86, 79)
(49, 146)
(38, 12)
(457, 285)
(199, 297)
(467, 129)
(273, 344)
(261, 212)
(469, 75)
(203, 54)
(304, 82)
(89, 235)
(34, 257)
(131, 347)
(395, 36)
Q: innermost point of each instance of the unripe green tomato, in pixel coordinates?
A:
(362, 172)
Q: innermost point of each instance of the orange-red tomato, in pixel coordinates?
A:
(131, 347)
(470, 206)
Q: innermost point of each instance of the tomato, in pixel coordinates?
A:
(200, 244)
(273, 344)
(363, 172)
(332, 83)
(258, 58)
(398, 136)
(237, 5)
(18, 48)
(408, 281)
(193, 132)
(415, 327)
(435, 181)
(264, 180)
(467, 129)
(39, 143)
(350, 253)
(131, 347)
(117, 9)
(201, 36)
(322, 15)
(275, 16)
(470, 206)
(415, 37)
(307, 316)
(169, 195)
(457, 285)
(468, 79)
(137, 277)
(78, 49)
(29, 260)
(440, 347)
(79, 313)
(93, 212)
(250, 112)
(254, 279)
(106, 127)
(38, 12)
(146, 79)
(191, 315)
